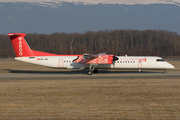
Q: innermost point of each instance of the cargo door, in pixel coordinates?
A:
(139, 64)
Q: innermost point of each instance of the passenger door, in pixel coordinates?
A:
(61, 62)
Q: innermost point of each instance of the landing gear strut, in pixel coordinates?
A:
(92, 68)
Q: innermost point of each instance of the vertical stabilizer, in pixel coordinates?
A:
(20, 45)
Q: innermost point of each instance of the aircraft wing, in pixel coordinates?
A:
(95, 59)
(90, 55)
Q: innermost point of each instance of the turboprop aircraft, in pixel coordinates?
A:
(91, 61)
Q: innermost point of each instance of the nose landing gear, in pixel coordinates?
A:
(165, 71)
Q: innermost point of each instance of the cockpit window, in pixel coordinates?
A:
(160, 60)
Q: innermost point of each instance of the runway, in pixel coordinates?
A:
(79, 75)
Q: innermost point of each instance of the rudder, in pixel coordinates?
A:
(20, 45)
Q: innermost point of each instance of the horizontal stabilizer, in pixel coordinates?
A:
(16, 34)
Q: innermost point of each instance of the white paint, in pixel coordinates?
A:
(56, 62)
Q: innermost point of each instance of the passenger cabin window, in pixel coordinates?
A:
(160, 60)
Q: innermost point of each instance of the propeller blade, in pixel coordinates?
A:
(115, 58)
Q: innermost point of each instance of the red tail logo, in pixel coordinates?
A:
(20, 46)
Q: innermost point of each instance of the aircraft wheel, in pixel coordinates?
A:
(165, 71)
(89, 73)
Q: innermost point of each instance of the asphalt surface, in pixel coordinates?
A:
(79, 75)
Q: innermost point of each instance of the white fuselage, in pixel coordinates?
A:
(123, 62)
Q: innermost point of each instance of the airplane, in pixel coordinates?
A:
(93, 62)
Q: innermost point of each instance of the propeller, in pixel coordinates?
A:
(114, 59)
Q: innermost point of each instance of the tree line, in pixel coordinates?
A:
(118, 42)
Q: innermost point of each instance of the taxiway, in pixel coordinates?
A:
(102, 75)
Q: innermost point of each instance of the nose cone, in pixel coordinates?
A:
(172, 67)
(169, 66)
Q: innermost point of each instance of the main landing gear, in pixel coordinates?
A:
(92, 69)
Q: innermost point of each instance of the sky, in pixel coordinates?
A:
(44, 18)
